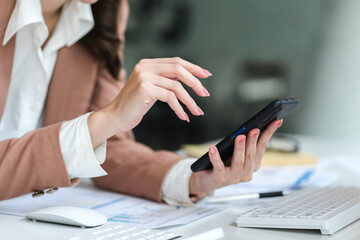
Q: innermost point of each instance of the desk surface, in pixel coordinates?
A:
(12, 227)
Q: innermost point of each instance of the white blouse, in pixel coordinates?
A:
(30, 77)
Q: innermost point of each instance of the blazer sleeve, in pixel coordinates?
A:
(31, 163)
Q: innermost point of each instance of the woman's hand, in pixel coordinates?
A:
(150, 81)
(246, 160)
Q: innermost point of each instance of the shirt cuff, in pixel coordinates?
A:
(175, 189)
(81, 160)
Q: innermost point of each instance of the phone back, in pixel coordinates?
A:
(277, 109)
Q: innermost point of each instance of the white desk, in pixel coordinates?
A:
(12, 227)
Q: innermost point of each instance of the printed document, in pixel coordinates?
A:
(117, 207)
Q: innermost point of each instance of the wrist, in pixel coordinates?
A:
(196, 189)
(102, 125)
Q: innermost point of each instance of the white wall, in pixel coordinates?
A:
(332, 105)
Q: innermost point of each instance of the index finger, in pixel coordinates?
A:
(192, 68)
(238, 160)
(177, 71)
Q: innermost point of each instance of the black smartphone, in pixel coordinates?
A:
(277, 109)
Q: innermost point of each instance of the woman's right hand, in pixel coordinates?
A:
(151, 80)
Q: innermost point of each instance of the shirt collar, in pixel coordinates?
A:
(26, 13)
(75, 21)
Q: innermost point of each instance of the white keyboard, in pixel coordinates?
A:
(125, 231)
(327, 209)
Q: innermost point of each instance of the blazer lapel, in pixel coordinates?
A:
(6, 60)
(72, 85)
(73, 80)
(6, 52)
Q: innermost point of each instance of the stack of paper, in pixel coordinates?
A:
(278, 178)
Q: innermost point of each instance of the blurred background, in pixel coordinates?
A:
(257, 51)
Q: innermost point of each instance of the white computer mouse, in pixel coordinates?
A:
(69, 215)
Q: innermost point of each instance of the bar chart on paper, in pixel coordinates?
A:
(150, 214)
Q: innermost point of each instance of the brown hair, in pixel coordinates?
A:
(103, 41)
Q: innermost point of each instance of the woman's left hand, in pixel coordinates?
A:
(247, 156)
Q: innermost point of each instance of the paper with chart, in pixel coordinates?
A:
(117, 207)
(278, 178)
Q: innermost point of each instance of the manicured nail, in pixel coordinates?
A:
(212, 149)
(207, 72)
(206, 93)
(200, 111)
(279, 124)
(241, 139)
(256, 133)
(186, 117)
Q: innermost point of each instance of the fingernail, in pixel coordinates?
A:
(186, 117)
(207, 72)
(256, 133)
(206, 93)
(241, 139)
(200, 111)
(280, 123)
(212, 149)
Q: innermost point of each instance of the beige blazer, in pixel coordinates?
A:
(34, 161)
